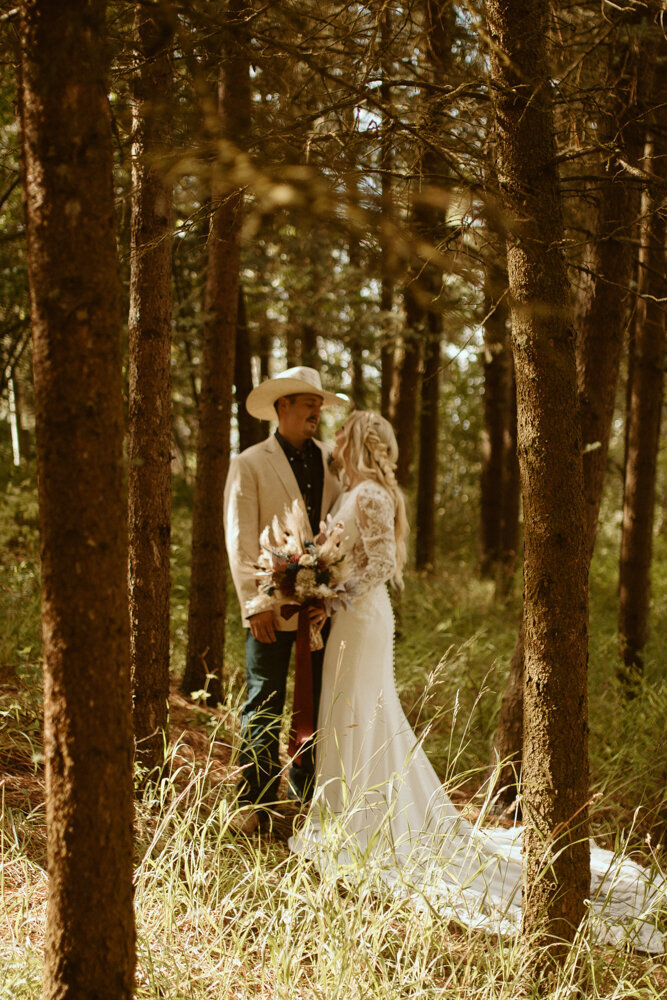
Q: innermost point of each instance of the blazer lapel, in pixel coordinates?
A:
(282, 468)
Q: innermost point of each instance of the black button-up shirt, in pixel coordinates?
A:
(306, 464)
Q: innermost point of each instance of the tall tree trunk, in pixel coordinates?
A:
(405, 389)
(264, 356)
(428, 446)
(431, 222)
(250, 430)
(508, 739)
(355, 341)
(388, 347)
(292, 348)
(75, 303)
(511, 500)
(643, 419)
(600, 321)
(206, 619)
(602, 313)
(497, 374)
(555, 768)
(309, 349)
(149, 426)
(264, 351)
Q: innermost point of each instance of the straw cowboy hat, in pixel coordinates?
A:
(290, 382)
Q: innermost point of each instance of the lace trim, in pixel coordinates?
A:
(374, 552)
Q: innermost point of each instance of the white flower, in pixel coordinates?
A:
(305, 583)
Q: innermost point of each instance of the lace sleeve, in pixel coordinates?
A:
(375, 552)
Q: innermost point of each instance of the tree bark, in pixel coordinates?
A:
(497, 375)
(250, 430)
(292, 347)
(388, 263)
(511, 501)
(428, 447)
(149, 424)
(600, 321)
(405, 389)
(508, 740)
(355, 341)
(206, 619)
(643, 420)
(75, 302)
(555, 768)
(309, 349)
(602, 313)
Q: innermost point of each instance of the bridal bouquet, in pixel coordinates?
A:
(295, 571)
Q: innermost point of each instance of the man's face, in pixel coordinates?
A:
(299, 417)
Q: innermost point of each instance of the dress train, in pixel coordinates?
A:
(380, 812)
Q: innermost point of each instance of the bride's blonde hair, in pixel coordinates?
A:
(368, 449)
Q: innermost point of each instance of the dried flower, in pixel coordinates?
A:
(294, 568)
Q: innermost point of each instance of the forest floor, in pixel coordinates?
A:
(226, 918)
(201, 758)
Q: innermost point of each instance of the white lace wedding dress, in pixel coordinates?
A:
(379, 811)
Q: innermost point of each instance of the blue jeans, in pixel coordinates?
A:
(267, 665)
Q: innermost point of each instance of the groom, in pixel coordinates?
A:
(263, 480)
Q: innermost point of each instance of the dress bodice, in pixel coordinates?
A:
(369, 540)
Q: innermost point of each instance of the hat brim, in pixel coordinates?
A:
(260, 401)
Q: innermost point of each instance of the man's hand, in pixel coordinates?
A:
(318, 617)
(262, 627)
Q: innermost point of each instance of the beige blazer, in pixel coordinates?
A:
(260, 485)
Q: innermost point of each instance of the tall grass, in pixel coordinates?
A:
(224, 917)
(228, 917)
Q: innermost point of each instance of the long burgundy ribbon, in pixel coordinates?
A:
(301, 726)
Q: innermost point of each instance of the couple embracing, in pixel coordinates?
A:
(377, 811)
(263, 482)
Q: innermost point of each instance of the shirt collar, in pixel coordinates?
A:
(293, 452)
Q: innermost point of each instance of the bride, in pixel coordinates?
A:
(379, 810)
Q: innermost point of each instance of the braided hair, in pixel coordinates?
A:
(368, 450)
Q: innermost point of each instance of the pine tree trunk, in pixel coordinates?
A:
(511, 502)
(206, 620)
(354, 339)
(555, 766)
(405, 389)
(75, 303)
(250, 430)
(508, 740)
(388, 347)
(149, 425)
(600, 322)
(602, 312)
(264, 356)
(292, 348)
(428, 447)
(497, 374)
(643, 421)
(309, 349)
